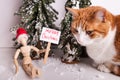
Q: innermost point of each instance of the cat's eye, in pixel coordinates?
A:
(75, 31)
(89, 32)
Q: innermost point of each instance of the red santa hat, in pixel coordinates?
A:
(21, 32)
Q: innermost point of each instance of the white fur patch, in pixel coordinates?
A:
(103, 51)
(82, 37)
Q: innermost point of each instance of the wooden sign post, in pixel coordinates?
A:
(51, 36)
(47, 52)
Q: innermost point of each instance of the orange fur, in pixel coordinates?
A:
(97, 26)
(117, 37)
(89, 22)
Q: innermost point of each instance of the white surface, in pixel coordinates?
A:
(52, 70)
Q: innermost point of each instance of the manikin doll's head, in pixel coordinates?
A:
(22, 36)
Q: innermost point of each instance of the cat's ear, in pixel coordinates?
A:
(74, 12)
(100, 15)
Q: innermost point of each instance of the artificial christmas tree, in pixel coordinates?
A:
(36, 14)
(68, 43)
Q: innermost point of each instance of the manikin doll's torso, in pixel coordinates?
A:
(25, 50)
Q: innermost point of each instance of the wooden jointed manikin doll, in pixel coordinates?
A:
(25, 50)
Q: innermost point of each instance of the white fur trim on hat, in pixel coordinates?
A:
(22, 35)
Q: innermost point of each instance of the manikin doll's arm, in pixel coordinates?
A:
(37, 50)
(15, 59)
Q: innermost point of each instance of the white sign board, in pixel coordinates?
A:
(50, 35)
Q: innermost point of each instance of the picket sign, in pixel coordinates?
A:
(50, 36)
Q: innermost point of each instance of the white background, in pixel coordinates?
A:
(7, 18)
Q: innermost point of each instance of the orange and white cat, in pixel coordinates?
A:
(98, 30)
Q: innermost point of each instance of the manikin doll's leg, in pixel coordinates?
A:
(31, 70)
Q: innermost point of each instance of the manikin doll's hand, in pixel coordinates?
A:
(41, 51)
(16, 65)
(16, 71)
